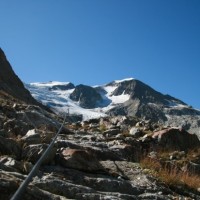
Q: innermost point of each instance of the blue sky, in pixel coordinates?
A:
(97, 41)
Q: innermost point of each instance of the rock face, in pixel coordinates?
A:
(176, 139)
(138, 89)
(126, 97)
(79, 159)
(10, 147)
(142, 100)
(87, 164)
(87, 96)
(68, 86)
(11, 84)
(145, 102)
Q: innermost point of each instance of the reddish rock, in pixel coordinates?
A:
(176, 139)
(79, 159)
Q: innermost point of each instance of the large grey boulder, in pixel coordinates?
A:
(32, 137)
(10, 181)
(136, 132)
(111, 132)
(10, 147)
(176, 139)
(33, 152)
(79, 159)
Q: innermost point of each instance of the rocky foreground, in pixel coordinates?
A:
(95, 159)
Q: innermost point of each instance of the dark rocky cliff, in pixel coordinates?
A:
(87, 96)
(11, 84)
(145, 101)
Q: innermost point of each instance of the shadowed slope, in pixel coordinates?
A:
(11, 84)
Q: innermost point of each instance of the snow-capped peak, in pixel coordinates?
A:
(123, 80)
(49, 84)
(58, 96)
(55, 95)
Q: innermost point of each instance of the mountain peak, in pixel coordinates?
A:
(49, 84)
(129, 97)
(2, 55)
(87, 96)
(123, 80)
(54, 85)
(117, 82)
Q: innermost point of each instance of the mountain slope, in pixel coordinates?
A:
(63, 100)
(81, 94)
(122, 97)
(11, 84)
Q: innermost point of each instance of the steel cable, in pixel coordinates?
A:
(25, 183)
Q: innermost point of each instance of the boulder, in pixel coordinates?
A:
(33, 152)
(12, 165)
(136, 132)
(32, 137)
(177, 155)
(54, 185)
(79, 159)
(36, 117)
(10, 181)
(10, 147)
(16, 126)
(119, 136)
(194, 167)
(111, 132)
(125, 151)
(176, 139)
(2, 133)
(9, 164)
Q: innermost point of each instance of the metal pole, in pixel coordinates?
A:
(25, 183)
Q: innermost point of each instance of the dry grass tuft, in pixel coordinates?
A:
(102, 127)
(171, 175)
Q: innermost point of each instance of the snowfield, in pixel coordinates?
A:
(55, 95)
(60, 102)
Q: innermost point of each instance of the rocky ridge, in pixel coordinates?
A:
(94, 159)
(125, 97)
(11, 84)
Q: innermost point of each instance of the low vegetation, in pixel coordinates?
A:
(173, 173)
